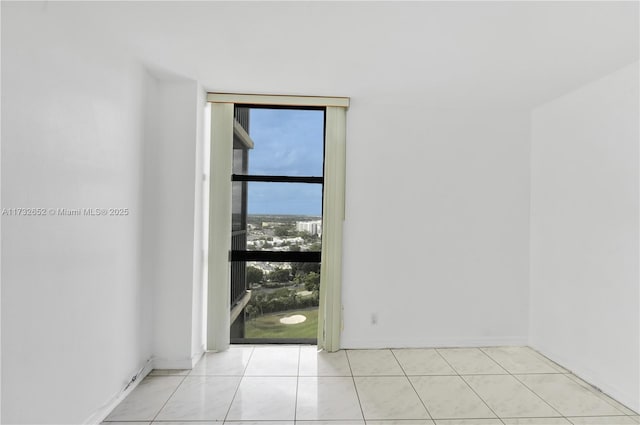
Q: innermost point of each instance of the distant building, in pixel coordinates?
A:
(281, 241)
(312, 227)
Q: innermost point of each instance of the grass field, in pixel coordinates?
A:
(269, 326)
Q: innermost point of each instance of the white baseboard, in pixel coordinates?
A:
(183, 363)
(357, 343)
(99, 415)
(196, 357)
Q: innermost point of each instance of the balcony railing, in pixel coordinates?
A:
(238, 268)
(241, 114)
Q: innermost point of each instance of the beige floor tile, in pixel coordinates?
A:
(264, 398)
(422, 362)
(449, 397)
(297, 385)
(126, 423)
(314, 363)
(468, 422)
(602, 420)
(402, 422)
(550, 362)
(389, 397)
(471, 361)
(146, 400)
(567, 396)
(518, 360)
(624, 409)
(509, 398)
(327, 398)
(200, 398)
(374, 363)
(535, 421)
(231, 362)
(247, 423)
(273, 361)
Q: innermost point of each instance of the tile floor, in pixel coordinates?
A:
(270, 385)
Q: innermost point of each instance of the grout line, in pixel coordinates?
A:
(535, 357)
(583, 384)
(253, 350)
(551, 363)
(522, 383)
(295, 405)
(167, 401)
(412, 386)
(540, 397)
(536, 394)
(567, 374)
(494, 360)
(353, 378)
(235, 393)
(600, 394)
(465, 381)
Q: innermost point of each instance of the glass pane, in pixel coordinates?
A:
(287, 142)
(284, 300)
(239, 191)
(284, 217)
(240, 157)
(302, 199)
(237, 206)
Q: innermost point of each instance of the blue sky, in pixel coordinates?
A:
(290, 143)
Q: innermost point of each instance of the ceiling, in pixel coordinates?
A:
(451, 54)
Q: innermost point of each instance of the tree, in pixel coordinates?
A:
(283, 230)
(251, 311)
(316, 246)
(312, 281)
(279, 275)
(301, 269)
(254, 275)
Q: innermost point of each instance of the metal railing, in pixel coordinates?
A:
(238, 268)
(241, 114)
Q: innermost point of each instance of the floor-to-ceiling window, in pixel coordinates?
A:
(282, 233)
(276, 247)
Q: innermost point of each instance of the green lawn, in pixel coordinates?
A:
(269, 326)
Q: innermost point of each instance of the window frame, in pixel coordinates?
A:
(333, 212)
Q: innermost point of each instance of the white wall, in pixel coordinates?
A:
(170, 166)
(436, 241)
(584, 233)
(1, 205)
(88, 301)
(200, 231)
(75, 312)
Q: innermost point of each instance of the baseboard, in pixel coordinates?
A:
(433, 342)
(99, 415)
(591, 377)
(196, 357)
(183, 363)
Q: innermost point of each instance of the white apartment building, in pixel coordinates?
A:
(312, 227)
